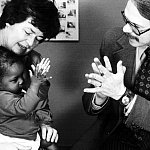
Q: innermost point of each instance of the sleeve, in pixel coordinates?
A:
(32, 58)
(139, 114)
(14, 105)
(43, 111)
(98, 107)
(43, 90)
(87, 100)
(44, 115)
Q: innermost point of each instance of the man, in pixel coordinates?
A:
(123, 112)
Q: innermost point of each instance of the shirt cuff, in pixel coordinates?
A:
(97, 107)
(129, 107)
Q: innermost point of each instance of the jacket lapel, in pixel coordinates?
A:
(127, 54)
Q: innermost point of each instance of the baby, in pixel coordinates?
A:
(22, 113)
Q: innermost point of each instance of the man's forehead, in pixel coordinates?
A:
(133, 14)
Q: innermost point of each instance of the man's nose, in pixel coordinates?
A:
(127, 28)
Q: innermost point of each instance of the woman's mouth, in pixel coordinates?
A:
(22, 47)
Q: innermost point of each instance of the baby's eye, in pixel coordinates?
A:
(15, 80)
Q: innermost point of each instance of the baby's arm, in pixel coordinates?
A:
(42, 110)
(39, 74)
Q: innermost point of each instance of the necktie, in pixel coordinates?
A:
(142, 79)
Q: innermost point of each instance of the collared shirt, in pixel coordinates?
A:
(140, 55)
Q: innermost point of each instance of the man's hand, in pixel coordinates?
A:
(105, 82)
(49, 134)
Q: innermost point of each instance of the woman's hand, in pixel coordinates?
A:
(49, 134)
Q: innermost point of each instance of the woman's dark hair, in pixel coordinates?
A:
(7, 59)
(43, 12)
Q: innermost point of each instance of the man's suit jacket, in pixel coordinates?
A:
(116, 46)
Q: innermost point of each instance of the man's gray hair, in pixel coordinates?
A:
(143, 7)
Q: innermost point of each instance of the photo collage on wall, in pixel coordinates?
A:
(69, 19)
(68, 15)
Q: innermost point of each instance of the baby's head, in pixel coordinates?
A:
(11, 71)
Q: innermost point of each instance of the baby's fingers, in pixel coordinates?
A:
(44, 63)
(41, 63)
(33, 67)
(46, 66)
(30, 73)
(45, 70)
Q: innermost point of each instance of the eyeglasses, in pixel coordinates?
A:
(133, 25)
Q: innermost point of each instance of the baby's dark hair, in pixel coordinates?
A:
(44, 15)
(7, 59)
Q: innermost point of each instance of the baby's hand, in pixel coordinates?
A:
(41, 70)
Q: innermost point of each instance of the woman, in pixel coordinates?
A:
(23, 25)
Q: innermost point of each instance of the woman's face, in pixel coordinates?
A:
(22, 37)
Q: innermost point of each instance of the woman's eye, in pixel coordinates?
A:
(28, 33)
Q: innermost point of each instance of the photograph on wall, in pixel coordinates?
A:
(2, 3)
(69, 19)
(68, 15)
